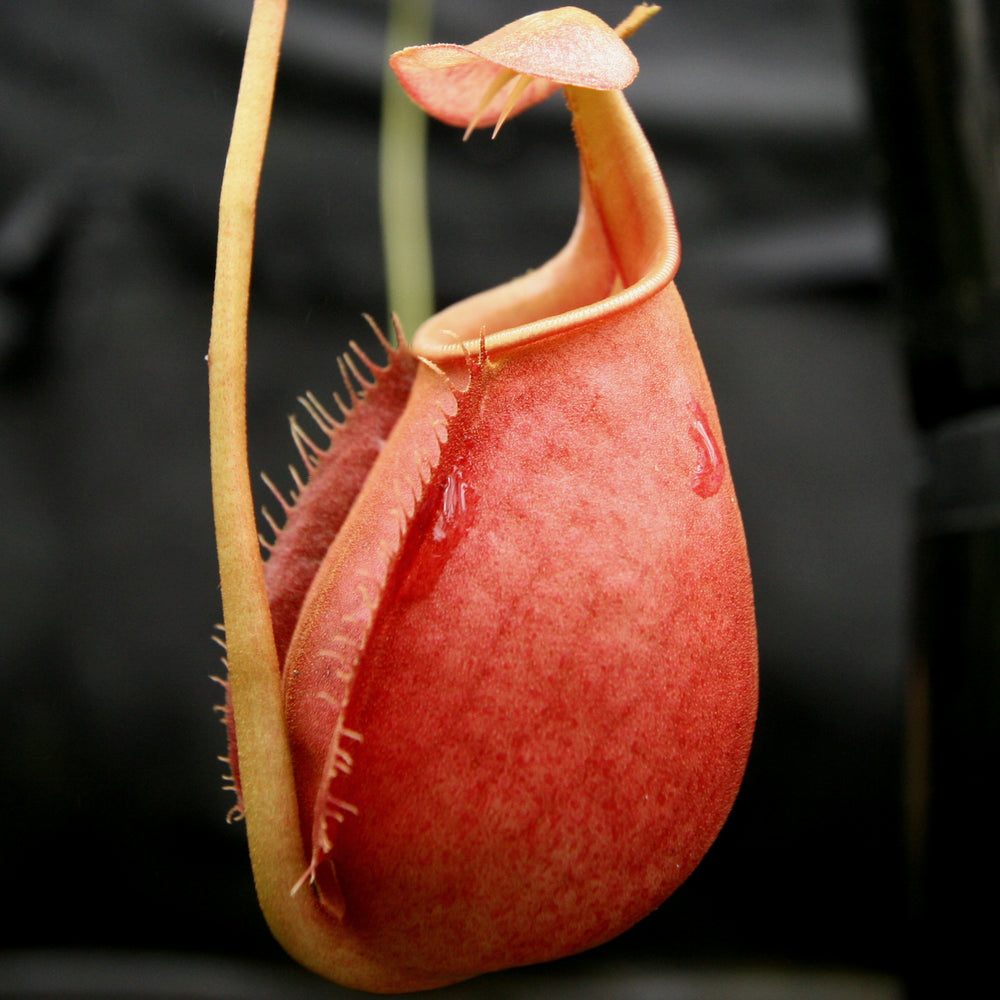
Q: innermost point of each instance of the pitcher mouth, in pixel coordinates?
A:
(623, 249)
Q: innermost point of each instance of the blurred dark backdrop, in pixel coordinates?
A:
(114, 121)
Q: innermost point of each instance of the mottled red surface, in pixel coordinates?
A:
(514, 605)
(554, 676)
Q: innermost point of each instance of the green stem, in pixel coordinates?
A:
(403, 177)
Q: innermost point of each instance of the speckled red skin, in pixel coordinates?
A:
(513, 605)
(556, 692)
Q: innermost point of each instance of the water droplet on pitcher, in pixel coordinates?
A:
(452, 504)
(710, 469)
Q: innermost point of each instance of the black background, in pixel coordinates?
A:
(114, 121)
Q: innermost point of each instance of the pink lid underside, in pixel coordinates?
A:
(565, 46)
